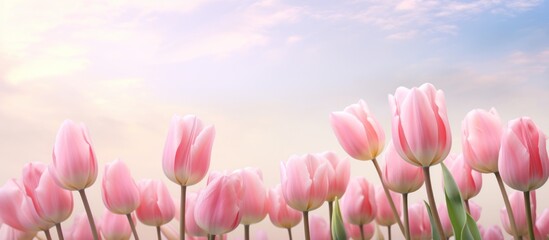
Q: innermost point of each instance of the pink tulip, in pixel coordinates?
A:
(17, 209)
(80, 229)
(421, 132)
(542, 224)
(358, 204)
(119, 191)
(116, 226)
(74, 163)
(523, 161)
(469, 182)
(156, 207)
(217, 207)
(52, 203)
(481, 139)
(339, 180)
(305, 181)
(282, 215)
(445, 218)
(320, 229)
(191, 227)
(7, 232)
(420, 225)
(517, 204)
(399, 175)
(353, 231)
(187, 150)
(492, 233)
(254, 200)
(385, 216)
(358, 131)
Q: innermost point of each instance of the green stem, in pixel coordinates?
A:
(432, 203)
(306, 225)
(529, 214)
(405, 212)
(59, 231)
(247, 232)
(391, 203)
(361, 231)
(89, 213)
(331, 210)
(48, 235)
(132, 225)
(158, 233)
(510, 214)
(389, 232)
(182, 213)
(290, 234)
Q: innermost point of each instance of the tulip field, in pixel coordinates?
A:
(39, 202)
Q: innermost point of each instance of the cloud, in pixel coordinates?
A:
(425, 17)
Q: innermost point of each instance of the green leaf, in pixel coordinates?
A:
(464, 226)
(434, 231)
(338, 229)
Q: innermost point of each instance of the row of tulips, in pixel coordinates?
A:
(515, 154)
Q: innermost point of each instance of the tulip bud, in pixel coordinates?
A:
(399, 175)
(358, 204)
(74, 163)
(187, 150)
(358, 132)
(305, 181)
(338, 181)
(119, 191)
(156, 206)
(421, 132)
(384, 215)
(481, 139)
(523, 161)
(282, 215)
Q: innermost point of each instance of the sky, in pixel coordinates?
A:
(266, 73)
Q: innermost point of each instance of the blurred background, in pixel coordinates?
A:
(266, 73)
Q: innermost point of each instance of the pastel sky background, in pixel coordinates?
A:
(266, 73)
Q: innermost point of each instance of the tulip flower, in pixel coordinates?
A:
(187, 153)
(384, 215)
(7, 232)
(80, 229)
(156, 206)
(421, 132)
(74, 163)
(421, 227)
(191, 226)
(469, 182)
(481, 139)
(358, 131)
(362, 137)
(217, 209)
(320, 229)
(116, 226)
(305, 182)
(17, 209)
(524, 164)
(358, 204)
(254, 199)
(119, 191)
(542, 223)
(339, 180)
(399, 175)
(363, 232)
(521, 219)
(492, 233)
(282, 215)
(52, 203)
